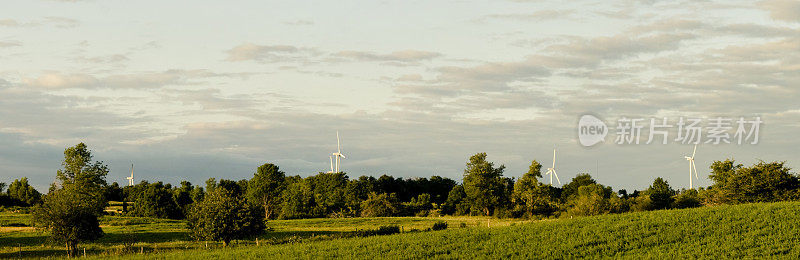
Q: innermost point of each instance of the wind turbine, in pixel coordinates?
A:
(130, 179)
(692, 167)
(552, 171)
(331, 158)
(338, 154)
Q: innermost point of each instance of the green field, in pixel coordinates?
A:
(751, 230)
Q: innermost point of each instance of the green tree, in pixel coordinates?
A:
(590, 200)
(687, 199)
(660, 194)
(224, 216)
(79, 170)
(532, 197)
(298, 201)
(156, 201)
(483, 184)
(71, 217)
(183, 196)
(21, 191)
(456, 203)
(761, 182)
(578, 181)
(266, 188)
(329, 191)
(380, 205)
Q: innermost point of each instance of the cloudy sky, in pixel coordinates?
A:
(198, 89)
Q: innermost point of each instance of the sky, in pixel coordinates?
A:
(189, 90)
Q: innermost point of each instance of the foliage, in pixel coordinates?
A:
(660, 194)
(380, 205)
(265, 188)
(439, 225)
(762, 182)
(71, 217)
(23, 192)
(590, 200)
(531, 197)
(79, 170)
(456, 203)
(484, 185)
(223, 216)
(156, 201)
(687, 199)
(298, 201)
(578, 181)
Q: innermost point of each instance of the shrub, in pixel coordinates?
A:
(440, 225)
(387, 230)
(224, 216)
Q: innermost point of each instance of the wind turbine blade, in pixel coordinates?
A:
(695, 150)
(556, 174)
(554, 158)
(695, 170)
(331, 158)
(338, 144)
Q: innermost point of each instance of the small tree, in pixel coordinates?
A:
(380, 205)
(532, 197)
(265, 188)
(660, 194)
(224, 216)
(71, 217)
(70, 212)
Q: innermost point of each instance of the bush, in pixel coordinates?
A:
(387, 230)
(440, 225)
(224, 216)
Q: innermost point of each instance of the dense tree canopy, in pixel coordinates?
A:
(223, 216)
(266, 187)
(483, 184)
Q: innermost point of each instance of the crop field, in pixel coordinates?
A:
(751, 230)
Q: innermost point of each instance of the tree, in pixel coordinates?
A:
(23, 192)
(113, 192)
(660, 194)
(183, 196)
(578, 181)
(761, 182)
(266, 187)
(70, 212)
(456, 202)
(531, 197)
(224, 216)
(380, 205)
(687, 199)
(298, 201)
(156, 201)
(71, 217)
(79, 170)
(483, 184)
(590, 200)
(329, 191)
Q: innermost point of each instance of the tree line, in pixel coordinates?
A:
(223, 209)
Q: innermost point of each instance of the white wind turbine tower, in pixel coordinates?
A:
(130, 179)
(552, 171)
(338, 154)
(692, 167)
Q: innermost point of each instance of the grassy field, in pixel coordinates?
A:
(129, 235)
(742, 231)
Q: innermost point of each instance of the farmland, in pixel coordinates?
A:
(750, 230)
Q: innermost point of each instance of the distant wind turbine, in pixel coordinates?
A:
(552, 171)
(130, 179)
(338, 154)
(692, 167)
